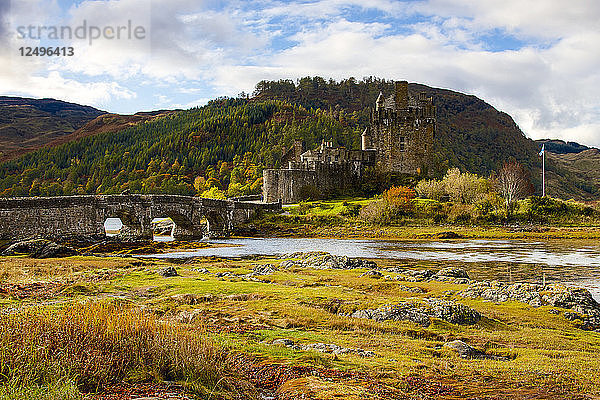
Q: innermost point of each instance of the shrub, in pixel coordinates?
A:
(378, 212)
(400, 197)
(461, 213)
(465, 188)
(351, 210)
(431, 189)
(395, 202)
(96, 344)
(544, 208)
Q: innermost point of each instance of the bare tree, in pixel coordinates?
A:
(513, 183)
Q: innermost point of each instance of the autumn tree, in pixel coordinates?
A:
(513, 184)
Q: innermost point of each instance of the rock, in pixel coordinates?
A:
(411, 275)
(422, 311)
(322, 260)
(39, 248)
(466, 351)
(323, 348)
(286, 264)
(283, 342)
(453, 312)
(335, 349)
(167, 272)
(501, 292)
(265, 269)
(372, 274)
(411, 289)
(463, 349)
(568, 297)
(449, 274)
(452, 272)
(585, 308)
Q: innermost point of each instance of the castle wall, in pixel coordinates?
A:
(294, 185)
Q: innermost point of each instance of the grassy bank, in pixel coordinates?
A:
(211, 329)
(429, 219)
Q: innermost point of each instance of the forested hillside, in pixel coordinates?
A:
(221, 146)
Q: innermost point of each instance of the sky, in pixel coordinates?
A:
(537, 60)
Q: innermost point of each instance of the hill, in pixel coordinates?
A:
(561, 147)
(471, 134)
(109, 123)
(28, 124)
(574, 175)
(222, 145)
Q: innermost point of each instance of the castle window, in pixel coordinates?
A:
(402, 143)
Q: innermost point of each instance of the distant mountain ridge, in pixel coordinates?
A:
(28, 124)
(562, 147)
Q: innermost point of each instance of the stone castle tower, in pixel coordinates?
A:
(401, 132)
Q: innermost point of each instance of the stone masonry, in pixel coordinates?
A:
(30, 217)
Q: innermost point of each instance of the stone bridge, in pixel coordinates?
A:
(194, 217)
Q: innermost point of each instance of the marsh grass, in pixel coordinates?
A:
(95, 344)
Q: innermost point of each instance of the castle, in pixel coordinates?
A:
(399, 139)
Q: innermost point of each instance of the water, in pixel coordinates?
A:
(567, 261)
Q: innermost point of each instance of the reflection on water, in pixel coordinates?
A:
(570, 262)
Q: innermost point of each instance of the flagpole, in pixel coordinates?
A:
(543, 171)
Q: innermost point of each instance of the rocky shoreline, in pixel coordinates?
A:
(578, 303)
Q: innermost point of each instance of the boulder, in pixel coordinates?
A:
(452, 272)
(463, 349)
(421, 312)
(265, 269)
(167, 272)
(323, 348)
(466, 351)
(39, 248)
(322, 260)
(372, 274)
(586, 311)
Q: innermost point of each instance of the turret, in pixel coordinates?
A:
(365, 139)
(401, 95)
(380, 101)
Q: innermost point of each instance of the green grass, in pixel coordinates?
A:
(547, 352)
